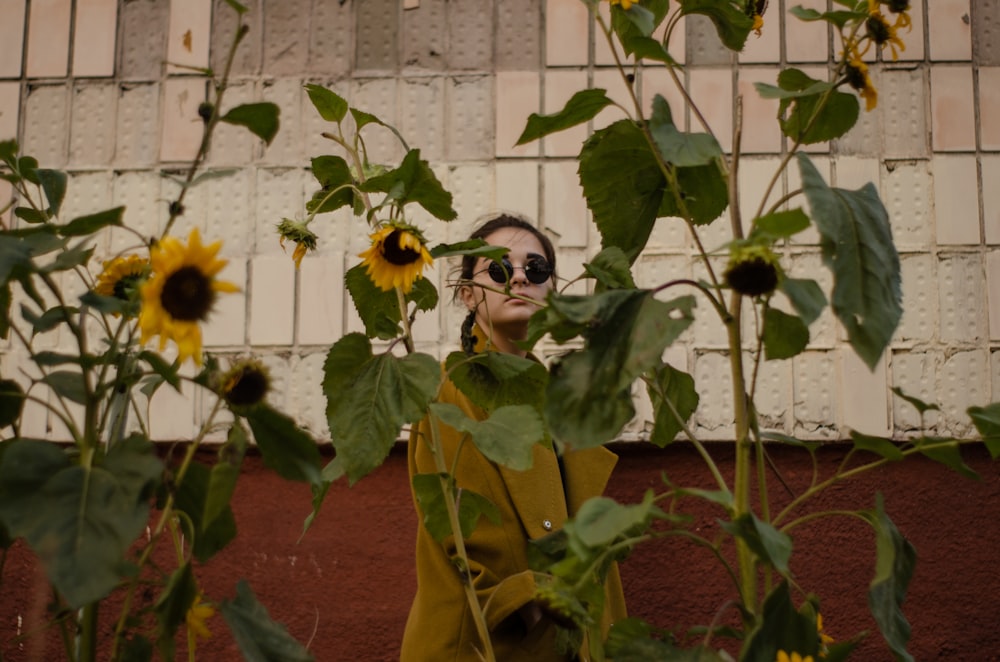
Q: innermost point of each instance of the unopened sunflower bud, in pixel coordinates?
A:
(752, 270)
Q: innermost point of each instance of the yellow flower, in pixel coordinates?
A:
(396, 258)
(825, 639)
(180, 293)
(299, 234)
(858, 78)
(121, 277)
(880, 32)
(197, 614)
(246, 383)
(794, 657)
(624, 4)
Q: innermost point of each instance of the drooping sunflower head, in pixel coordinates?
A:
(299, 234)
(245, 384)
(397, 257)
(121, 277)
(858, 78)
(752, 270)
(181, 292)
(881, 33)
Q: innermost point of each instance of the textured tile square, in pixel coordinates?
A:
(472, 188)
(517, 187)
(10, 107)
(172, 414)
(146, 209)
(805, 41)
(953, 126)
(854, 173)
(48, 38)
(986, 33)
(12, 17)
(285, 23)
(470, 35)
(814, 380)
(422, 113)
(518, 35)
(654, 269)
(518, 96)
(919, 322)
(469, 110)
(756, 175)
(567, 30)
(714, 416)
(560, 86)
(378, 96)
(761, 133)
(144, 38)
(235, 146)
(773, 397)
(331, 39)
(989, 108)
(311, 399)
(915, 373)
(962, 383)
(321, 296)
(94, 37)
(182, 129)
(225, 23)
(914, 37)
(45, 127)
(902, 98)
(956, 199)
(865, 137)
(864, 394)
(87, 193)
(280, 194)
(92, 127)
(137, 141)
(712, 90)
(951, 36)
(286, 148)
(611, 81)
(960, 291)
(669, 234)
(376, 35)
(907, 197)
(703, 44)
(226, 325)
(657, 81)
(272, 300)
(425, 36)
(990, 165)
(823, 332)
(188, 35)
(564, 210)
(993, 290)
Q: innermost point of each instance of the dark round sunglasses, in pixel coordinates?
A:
(537, 270)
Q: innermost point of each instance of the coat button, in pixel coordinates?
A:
(547, 525)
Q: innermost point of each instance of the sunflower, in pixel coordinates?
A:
(880, 32)
(121, 277)
(299, 234)
(396, 258)
(180, 293)
(197, 614)
(246, 383)
(752, 270)
(858, 78)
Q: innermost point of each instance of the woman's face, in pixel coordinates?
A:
(504, 316)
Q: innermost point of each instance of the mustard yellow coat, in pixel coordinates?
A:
(532, 504)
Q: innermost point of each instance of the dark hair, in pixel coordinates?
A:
(500, 222)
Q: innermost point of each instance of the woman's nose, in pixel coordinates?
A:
(518, 275)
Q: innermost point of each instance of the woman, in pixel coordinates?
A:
(532, 503)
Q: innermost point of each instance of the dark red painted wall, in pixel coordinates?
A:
(345, 587)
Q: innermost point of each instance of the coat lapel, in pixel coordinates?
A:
(537, 494)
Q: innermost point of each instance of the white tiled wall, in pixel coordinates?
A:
(105, 89)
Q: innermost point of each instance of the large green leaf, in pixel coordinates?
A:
(193, 496)
(780, 224)
(812, 118)
(729, 18)
(806, 296)
(588, 398)
(334, 176)
(704, 192)
(611, 269)
(987, 421)
(781, 627)
(79, 521)
(769, 544)
(881, 446)
(259, 637)
(330, 105)
(378, 309)
(623, 185)
(674, 399)
(857, 247)
(946, 451)
(223, 476)
(91, 223)
(507, 437)
(284, 446)
(54, 184)
(11, 402)
(369, 398)
(495, 379)
(582, 107)
(839, 18)
(429, 491)
(261, 118)
(414, 181)
(677, 147)
(785, 335)
(172, 606)
(602, 520)
(895, 560)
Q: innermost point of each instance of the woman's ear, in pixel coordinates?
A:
(468, 295)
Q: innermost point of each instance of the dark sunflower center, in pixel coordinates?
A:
(187, 294)
(878, 30)
(896, 6)
(249, 389)
(125, 286)
(396, 254)
(753, 277)
(855, 77)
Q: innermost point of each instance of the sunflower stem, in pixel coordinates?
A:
(404, 315)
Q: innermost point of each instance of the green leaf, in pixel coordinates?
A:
(647, 48)
(54, 184)
(240, 9)
(261, 118)
(837, 18)
(476, 247)
(818, 117)
(172, 606)
(88, 225)
(429, 492)
(582, 107)
(260, 639)
(921, 406)
(588, 398)
(507, 437)
(332, 173)
(781, 627)
(222, 478)
(780, 224)
(785, 335)
(680, 149)
(879, 445)
(673, 395)
(768, 543)
(8, 151)
(602, 520)
(29, 215)
(362, 119)
(895, 560)
(70, 258)
(378, 309)
(494, 379)
(11, 402)
(192, 497)
(857, 247)
(611, 269)
(423, 295)
(945, 451)
(168, 371)
(67, 384)
(284, 446)
(623, 186)
(331, 106)
(729, 18)
(414, 181)
(987, 422)
(15, 258)
(79, 521)
(704, 191)
(806, 297)
(384, 391)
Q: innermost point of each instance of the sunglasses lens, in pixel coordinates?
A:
(538, 270)
(497, 273)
